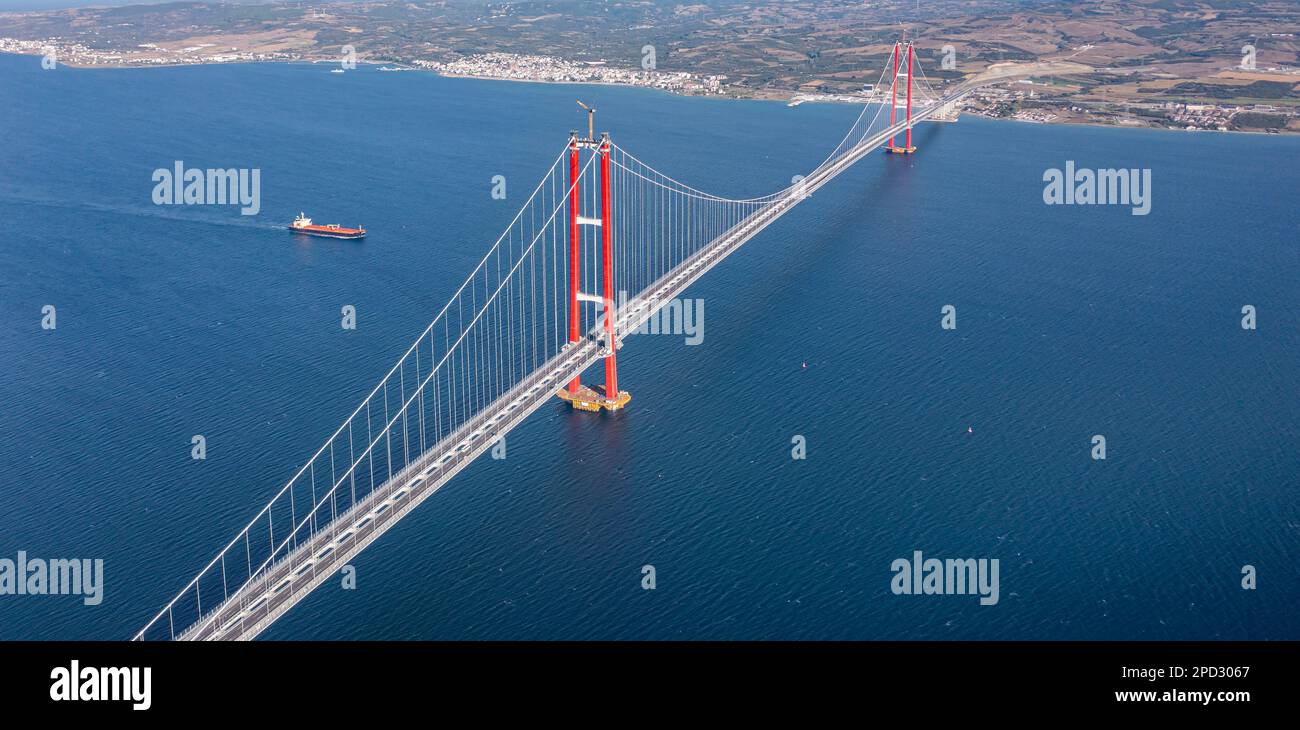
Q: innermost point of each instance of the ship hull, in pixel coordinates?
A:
(327, 233)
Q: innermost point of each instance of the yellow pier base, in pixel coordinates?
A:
(900, 150)
(593, 399)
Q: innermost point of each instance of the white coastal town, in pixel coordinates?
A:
(551, 69)
(145, 54)
(509, 66)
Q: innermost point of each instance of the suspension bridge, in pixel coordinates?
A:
(535, 314)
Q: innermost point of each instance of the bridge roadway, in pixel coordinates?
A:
(259, 602)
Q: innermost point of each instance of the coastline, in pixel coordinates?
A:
(772, 95)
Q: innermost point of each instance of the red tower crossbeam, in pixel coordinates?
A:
(893, 90)
(574, 250)
(607, 257)
(908, 143)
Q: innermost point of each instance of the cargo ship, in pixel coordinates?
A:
(303, 224)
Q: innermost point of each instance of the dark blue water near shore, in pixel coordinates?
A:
(1072, 321)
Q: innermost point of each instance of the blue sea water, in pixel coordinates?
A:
(1072, 321)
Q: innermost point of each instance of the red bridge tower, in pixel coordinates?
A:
(907, 147)
(578, 395)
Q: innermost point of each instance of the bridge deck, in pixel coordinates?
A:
(247, 612)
